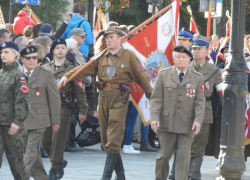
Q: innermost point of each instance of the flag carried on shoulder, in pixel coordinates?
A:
(154, 46)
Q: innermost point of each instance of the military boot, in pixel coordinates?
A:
(195, 166)
(52, 174)
(119, 169)
(109, 166)
(172, 174)
(60, 171)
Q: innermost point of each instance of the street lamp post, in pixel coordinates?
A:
(231, 163)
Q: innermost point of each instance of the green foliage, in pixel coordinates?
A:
(50, 11)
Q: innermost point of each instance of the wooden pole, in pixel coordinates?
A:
(123, 38)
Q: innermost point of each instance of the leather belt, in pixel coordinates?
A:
(108, 85)
(207, 98)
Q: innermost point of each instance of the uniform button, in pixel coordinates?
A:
(178, 108)
(179, 101)
(179, 94)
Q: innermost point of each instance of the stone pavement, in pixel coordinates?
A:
(89, 164)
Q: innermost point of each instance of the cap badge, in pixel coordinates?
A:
(3, 44)
(58, 40)
(32, 49)
(182, 50)
(28, 50)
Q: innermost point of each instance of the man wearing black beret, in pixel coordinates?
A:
(44, 112)
(54, 143)
(176, 113)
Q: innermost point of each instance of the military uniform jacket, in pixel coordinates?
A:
(170, 105)
(69, 87)
(127, 71)
(14, 102)
(44, 99)
(207, 70)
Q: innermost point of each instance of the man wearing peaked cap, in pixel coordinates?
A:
(171, 118)
(44, 113)
(211, 80)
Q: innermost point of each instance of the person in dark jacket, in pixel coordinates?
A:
(21, 21)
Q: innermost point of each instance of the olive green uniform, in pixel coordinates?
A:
(200, 141)
(111, 110)
(14, 108)
(54, 143)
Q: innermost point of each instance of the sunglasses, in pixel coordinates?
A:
(83, 37)
(29, 58)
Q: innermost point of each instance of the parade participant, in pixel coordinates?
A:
(44, 112)
(211, 79)
(14, 108)
(221, 60)
(176, 113)
(185, 39)
(247, 46)
(216, 43)
(54, 143)
(117, 68)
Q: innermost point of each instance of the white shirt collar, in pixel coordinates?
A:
(115, 51)
(25, 71)
(178, 71)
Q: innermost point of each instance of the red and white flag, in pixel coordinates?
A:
(154, 46)
(247, 118)
(192, 26)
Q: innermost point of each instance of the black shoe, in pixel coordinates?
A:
(109, 166)
(145, 146)
(172, 174)
(119, 169)
(43, 153)
(52, 174)
(60, 171)
(195, 166)
(70, 150)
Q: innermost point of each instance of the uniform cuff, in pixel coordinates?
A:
(19, 123)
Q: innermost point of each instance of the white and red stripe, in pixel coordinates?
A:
(202, 87)
(219, 89)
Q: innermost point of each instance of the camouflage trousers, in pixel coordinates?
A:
(12, 145)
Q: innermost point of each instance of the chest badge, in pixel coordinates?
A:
(170, 90)
(24, 88)
(37, 92)
(207, 85)
(188, 86)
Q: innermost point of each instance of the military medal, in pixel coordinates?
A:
(207, 85)
(190, 93)
(37, 92)
(187, 89)
(193, 93)
(110, 71)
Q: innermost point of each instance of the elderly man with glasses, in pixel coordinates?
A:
(44, 111)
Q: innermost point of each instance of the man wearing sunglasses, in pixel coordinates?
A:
(44, 111)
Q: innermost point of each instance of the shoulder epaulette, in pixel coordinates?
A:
(45, 69)
(196, 72)
(168, 68)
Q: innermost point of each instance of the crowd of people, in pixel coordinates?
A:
(39, 110)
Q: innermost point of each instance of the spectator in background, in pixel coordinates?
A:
(21, 21)
(37, 30)
(46, 30)
(45, 41)
(100, 45)
(221, 40)
(41, 55)
(72, 49)
(98, 35)
(28, 33)
(4, 35)
(21, 42)
(78, 21)
(124, 28)
(15, 36)
(216, 43)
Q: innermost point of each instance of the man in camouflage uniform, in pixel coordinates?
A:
(14, 107)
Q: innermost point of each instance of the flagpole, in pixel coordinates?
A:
(123, 38)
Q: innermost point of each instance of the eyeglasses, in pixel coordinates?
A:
(83, 37)
(29, 58)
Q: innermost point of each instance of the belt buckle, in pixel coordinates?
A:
(108, 85)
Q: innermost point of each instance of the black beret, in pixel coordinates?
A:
(9, 44)
(182, 49)
(56, 42)
(28, 50)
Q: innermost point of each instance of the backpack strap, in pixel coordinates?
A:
(80, 24)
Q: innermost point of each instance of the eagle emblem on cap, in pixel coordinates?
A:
(58, 40)
(28, 50)
(3, 44)
(32, 49)
(182, 50)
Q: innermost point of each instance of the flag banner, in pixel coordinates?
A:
(228, 26)
(100, 21)
(33, 18)
(193, 27)
(247, 120)
(154, 46)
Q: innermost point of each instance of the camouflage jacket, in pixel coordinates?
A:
(14, 102)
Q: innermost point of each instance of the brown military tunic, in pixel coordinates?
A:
(111, 110)
(54, 143)
(176, 112)
(200, 141)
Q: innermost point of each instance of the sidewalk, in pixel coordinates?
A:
(89, 164)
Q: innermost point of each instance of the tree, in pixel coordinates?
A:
(48, 12)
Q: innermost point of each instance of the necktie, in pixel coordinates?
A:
(181, 76)
(198, 67)
(28, 75)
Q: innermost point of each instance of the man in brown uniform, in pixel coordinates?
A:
(211, 79)
(44, 112)
(176, 110)
(54, 144)
(116, 67)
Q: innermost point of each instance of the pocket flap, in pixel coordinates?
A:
(37, 85)
(165, 112)
(42, 111)
(104, 62)
(171, 85)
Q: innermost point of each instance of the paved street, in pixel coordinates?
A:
(88, 165)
